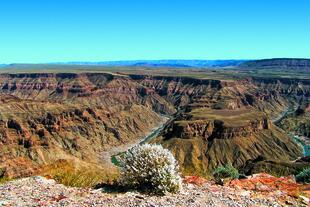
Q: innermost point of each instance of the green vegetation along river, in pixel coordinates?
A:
(296, 138)
(299, 140)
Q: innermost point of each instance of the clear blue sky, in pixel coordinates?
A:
(33, 31)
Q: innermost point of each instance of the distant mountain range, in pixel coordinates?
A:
(164, 63)
(278, 63)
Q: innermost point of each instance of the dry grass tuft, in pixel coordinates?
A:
(73, 175)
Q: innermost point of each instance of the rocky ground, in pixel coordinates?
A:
(39, 191)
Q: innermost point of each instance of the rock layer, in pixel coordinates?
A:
(75, 116)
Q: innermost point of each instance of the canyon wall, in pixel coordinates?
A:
(77, 116)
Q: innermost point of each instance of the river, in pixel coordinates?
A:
(298, 139)
(167, 120)
(153, 134)
(289, 110)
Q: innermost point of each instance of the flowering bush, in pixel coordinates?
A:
(151, 168)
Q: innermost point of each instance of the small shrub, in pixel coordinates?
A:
(227, 171)
(151, 168)
(304, 176)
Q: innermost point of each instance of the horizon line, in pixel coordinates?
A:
(145, 60)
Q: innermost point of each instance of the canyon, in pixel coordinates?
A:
(75, 117)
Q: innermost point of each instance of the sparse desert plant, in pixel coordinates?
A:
(79, 178)
(72, 175)
(227, 171)
(304, 176)
(4, 180)
(150, 168)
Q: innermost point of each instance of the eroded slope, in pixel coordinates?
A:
(49, 117)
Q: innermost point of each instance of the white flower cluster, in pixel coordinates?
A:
(152, 168)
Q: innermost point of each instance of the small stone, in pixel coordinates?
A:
(191, 201)
(245, 193)
(139, 197)
(305, 199)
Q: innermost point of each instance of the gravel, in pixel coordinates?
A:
(39, 191)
